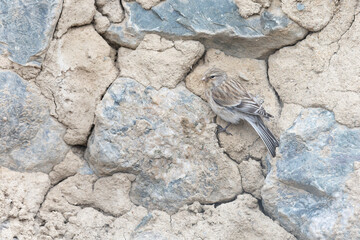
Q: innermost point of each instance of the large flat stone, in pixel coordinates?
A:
(30, 139)
(217, 24)
(312, 188)
(77, 70)
(166, 139)
(26, 28)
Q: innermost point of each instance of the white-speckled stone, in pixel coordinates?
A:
(166, 138)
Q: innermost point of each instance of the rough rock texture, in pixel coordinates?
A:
(74, 77)
(111, 9)
(102, 23)
(179, 161)
(75, 13)
(289, 112)
(163, 63)
(68, 167)
(250, 7)
(26, 28)
(20, 197)
(217, 24)
(240, 219)
(352, 191)
(69, 212)
(146, 4)
(108, 194)
(155, 167)
(323, 70)
(119, 34)
(30, 139)
(252, 177)
(251, 73)
(26, 72)
(310, 14)
(21, 194)
(309, 188)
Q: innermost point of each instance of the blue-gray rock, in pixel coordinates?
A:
(30, 139)
(164, 137)
(216, 23)
(310, 188)
(26, 28)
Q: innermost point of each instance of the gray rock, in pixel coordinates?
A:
(165, 138)
(217, 24)
(26, 28)
(30, 140)
(307, 189)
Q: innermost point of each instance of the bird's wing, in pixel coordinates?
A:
(228, 94)
(232, 94)
(252, 106)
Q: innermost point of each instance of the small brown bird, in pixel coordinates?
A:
(230, 101)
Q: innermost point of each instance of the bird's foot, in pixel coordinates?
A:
(220, 129)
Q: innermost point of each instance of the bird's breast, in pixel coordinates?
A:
(227, 114)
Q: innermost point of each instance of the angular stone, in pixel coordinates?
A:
(111, 194)
(217, 24)
(166, 139)
(101, 23)
(248, 7)
(26, 28)
(75, 13)
(77, 70)
(119, 34)
(310, 14)
(30, 139)
(308, 189)
(111, 9)
(68, 167)
(323, 70)
(252, 178)
(158, 62)
(251, 73)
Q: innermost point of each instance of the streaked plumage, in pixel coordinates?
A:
(230, 101)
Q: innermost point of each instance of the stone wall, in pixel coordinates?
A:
(105, 132)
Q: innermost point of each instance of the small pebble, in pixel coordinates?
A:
(300, 6)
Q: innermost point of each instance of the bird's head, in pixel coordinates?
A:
(214, 76)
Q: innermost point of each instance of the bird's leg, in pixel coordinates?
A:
(221, 129)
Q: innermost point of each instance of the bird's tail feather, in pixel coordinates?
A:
(266, 136)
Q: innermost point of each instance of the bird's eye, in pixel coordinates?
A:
(213, 76)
